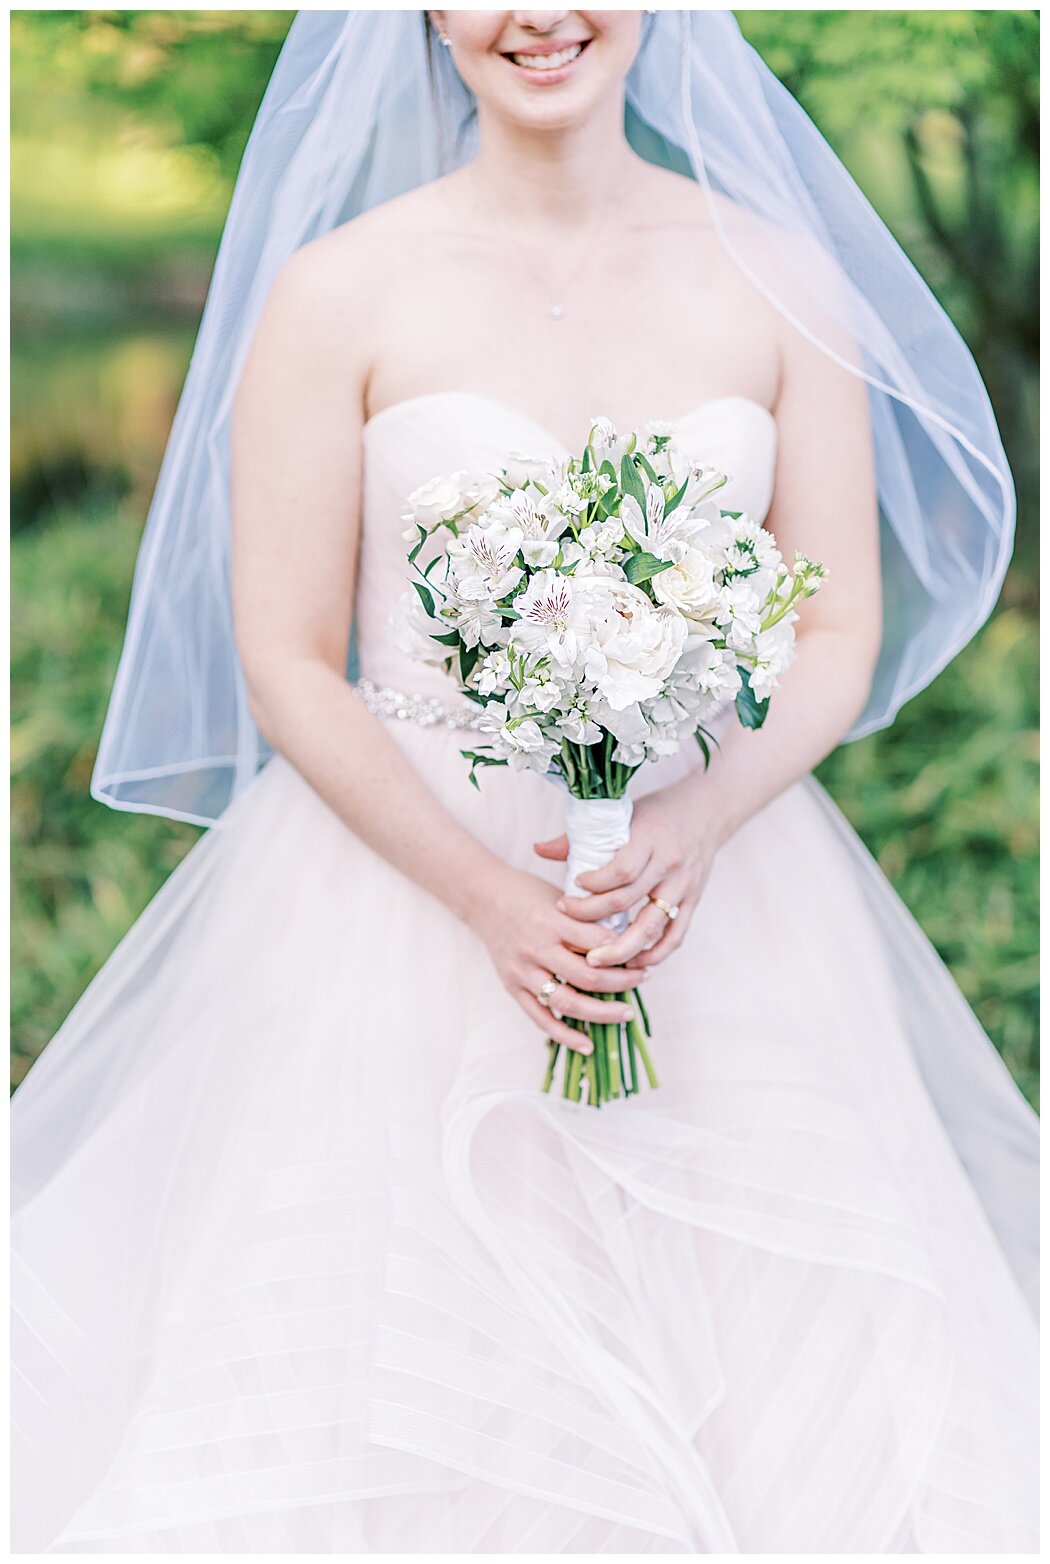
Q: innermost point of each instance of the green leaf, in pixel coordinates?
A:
(630, 482)
(426, 598)
(451, 639)
(750, 710)
(642, 567)
(468, 656)
(705, 740)
(414, 550)
(650, 473)
(676, 498)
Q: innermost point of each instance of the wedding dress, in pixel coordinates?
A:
(304, 1260)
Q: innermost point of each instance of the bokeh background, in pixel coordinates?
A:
(127, 129)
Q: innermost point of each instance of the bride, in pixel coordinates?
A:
(303, 1260)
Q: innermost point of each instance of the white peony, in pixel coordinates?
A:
(633, 646)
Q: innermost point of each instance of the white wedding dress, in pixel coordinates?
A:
(304, 1261)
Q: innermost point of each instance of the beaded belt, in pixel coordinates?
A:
(427, 710)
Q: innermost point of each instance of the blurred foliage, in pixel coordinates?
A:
(936, 114)
(127, 129)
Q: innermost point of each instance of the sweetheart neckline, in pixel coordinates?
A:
(517, 412)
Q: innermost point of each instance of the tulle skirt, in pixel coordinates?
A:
(304, 1261)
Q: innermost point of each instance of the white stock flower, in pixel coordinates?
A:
(774, 652)
(528, 747)
(740, 612)
(578, 726)
(632, 645)
(493, 672)
(602, 536)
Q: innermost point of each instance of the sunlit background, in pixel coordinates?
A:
(127, 129)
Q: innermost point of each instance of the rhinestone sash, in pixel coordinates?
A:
(426, 710)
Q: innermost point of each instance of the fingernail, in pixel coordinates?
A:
(593, 958)
(586, 1048)
(560, 904)
(627, 1013)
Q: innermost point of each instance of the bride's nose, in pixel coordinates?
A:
(538, 21)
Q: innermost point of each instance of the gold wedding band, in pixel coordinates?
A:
(669, 910)
(544, 995)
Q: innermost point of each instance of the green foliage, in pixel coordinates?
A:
(82, 873)
(947, 800)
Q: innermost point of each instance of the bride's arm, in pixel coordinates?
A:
(296, 478)
(825, 505)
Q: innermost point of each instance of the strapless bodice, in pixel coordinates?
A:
(414, 440)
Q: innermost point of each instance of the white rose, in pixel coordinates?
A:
(689, 585)
(438, 500)
(520, 468)
(632, 646)
(413, 629)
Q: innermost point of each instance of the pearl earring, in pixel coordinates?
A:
(445, 39)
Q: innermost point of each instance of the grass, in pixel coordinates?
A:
(946, 799)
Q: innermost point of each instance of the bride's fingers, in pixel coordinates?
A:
(607, 980)
(551, 1026)
(624, 868)
(648, 929)
(557, 847)
(672, 936)
(665, 944)
(582, 936)
(568, 1001)
(591, 909)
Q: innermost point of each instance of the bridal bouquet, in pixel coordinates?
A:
(601, 610)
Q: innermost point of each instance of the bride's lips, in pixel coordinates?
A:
(544, 77)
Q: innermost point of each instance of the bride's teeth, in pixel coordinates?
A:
(548, 62)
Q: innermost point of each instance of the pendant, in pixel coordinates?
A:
(557, 311)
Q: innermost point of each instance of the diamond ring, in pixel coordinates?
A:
(544, 995)
(670, 910)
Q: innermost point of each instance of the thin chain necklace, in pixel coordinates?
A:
(556, 295)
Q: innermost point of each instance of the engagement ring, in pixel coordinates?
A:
(544, 995)
(665, 907)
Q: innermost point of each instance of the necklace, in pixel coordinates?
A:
(556, 294)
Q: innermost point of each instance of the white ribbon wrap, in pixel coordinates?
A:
(597, 828)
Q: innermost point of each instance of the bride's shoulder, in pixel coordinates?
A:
(680, 203)
(358, 254)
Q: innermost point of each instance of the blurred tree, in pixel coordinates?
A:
(937, 114)
(201, 74)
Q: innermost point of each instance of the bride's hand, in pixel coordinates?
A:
(530, 941)
(669, 855)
